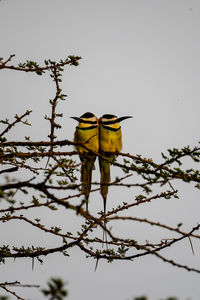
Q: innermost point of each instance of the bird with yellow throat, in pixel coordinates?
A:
(87, 138)
(110, 143)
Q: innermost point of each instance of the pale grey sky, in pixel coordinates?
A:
(139, 58)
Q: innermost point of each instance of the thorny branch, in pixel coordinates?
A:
(4, 285)
(147, 168)
(11, 292)
(158, 224)
(56, 74)
(18, 120)
(50, 186)
(30, 66)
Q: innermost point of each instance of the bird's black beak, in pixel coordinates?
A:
(76, 118)
(123, 118)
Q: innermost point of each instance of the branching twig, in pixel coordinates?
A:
(151, 223)
(175, 264)
(18, 120)
(4, 285)
(11, 292)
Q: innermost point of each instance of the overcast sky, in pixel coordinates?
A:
(139, 58)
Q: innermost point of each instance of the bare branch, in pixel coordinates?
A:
(18, 120)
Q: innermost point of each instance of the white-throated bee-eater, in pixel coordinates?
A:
(110, 143)
(87, 134)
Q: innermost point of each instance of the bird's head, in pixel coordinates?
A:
(86, 118)
(112, 120)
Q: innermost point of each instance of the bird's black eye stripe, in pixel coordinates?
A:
(87, 128)
(109, 122)
(110, 128)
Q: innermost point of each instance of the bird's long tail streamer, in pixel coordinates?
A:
(105, 180)
(86, 177)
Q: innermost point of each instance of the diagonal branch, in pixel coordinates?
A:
(18, 120)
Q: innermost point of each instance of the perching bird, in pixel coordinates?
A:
(110, 143)
(87, 133)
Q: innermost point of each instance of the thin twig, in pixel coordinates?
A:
(18, 120)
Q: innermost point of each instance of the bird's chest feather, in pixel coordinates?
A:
(110, 141)
(89, 138)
